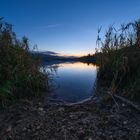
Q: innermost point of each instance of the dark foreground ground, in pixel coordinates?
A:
(94, 120)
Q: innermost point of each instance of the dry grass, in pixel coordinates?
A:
(119, 59)
(19, 71)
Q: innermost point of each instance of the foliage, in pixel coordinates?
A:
(19, 72)
(118, 57)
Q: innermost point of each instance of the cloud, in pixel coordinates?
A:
(50, 53)
(46, 53)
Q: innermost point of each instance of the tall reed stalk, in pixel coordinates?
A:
(19, 71)
(118, 57)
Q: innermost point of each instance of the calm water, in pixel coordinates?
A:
(72, 82)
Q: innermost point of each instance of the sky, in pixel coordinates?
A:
(66, 26)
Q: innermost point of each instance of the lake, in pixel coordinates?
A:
(71, 82)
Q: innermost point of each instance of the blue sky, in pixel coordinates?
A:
(66, 26)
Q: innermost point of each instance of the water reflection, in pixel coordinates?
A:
(72, 82)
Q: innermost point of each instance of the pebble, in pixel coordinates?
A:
(40, 109)
(9, 128)
(124, 122)
(73, 117)
(61, 109)
(78, 122)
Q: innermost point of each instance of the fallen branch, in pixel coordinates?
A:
(113, 99)
(137, 107)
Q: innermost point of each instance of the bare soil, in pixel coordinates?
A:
(93, 120)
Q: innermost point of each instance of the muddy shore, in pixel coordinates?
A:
(92, 120)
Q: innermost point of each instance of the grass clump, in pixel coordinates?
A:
(19, 71)
(118, 57)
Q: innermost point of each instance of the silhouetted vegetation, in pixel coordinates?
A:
(118, 57)
(90, 58)
(19, 71)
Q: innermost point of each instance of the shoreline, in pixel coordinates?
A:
(61, 103)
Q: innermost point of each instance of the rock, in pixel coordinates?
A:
(124, 122)
(24, 128)
(73, 116)
(89, 138)
(138, 130)
(29, 130)
(74, 122)
(9, 129)
(61, 109)
(38, 127)
(40, 109)
(86, 120)
(81, 133)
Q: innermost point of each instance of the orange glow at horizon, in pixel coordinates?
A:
(78, 65)
(74, 54)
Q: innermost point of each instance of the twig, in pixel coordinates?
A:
(114, 99)
(137, 107)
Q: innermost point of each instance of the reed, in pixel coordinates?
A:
(118, 57)
(19, 72)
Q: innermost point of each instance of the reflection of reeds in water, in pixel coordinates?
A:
(118, 56)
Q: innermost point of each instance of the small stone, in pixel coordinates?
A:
(124, 122)
(40, 109)
(90, 138)
(24, 129)
(38, 127)
(9, 129)
(29, 130)
(61, 109)
(73, 116)
(138, 130)
(81, 133)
